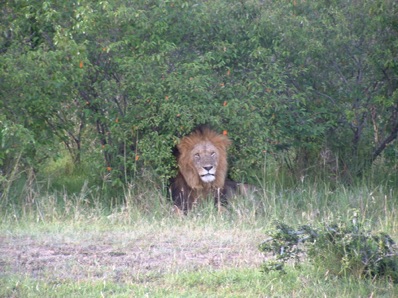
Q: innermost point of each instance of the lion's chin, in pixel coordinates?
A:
(208, 178)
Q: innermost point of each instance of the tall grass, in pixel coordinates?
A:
(301, 203)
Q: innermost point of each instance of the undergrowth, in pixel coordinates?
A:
(342, 248)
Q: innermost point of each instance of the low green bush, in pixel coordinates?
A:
(339, 248)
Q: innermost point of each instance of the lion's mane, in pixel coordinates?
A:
(187, 188)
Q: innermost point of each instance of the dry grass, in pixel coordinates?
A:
(123, 255)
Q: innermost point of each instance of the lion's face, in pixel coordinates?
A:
(202, 159)
(205, 159)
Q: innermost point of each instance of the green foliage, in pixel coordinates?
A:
(18, 152)
(341, 248)
(16, 143)
(127, 79)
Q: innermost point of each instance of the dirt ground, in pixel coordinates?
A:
(126, 257)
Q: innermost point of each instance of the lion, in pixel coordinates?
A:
(202, 169)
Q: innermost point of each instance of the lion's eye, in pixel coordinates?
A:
(213, 154)
(196, 156)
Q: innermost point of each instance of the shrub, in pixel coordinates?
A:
(341, 249)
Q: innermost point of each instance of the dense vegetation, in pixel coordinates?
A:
(95, 94)
(112, 85)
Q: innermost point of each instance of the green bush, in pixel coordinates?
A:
(341, 249)
(127, 79)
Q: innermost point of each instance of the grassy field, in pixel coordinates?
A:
(60, 245)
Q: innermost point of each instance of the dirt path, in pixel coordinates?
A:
(126, 256)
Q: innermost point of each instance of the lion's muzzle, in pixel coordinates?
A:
(208, 174)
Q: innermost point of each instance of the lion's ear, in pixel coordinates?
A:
(222, 142)
(228, 143)
(182, 148)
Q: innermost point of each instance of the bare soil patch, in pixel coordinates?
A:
(120, 256)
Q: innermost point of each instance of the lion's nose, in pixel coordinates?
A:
(208, 168)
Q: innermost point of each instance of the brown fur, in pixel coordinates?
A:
(202, 149)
